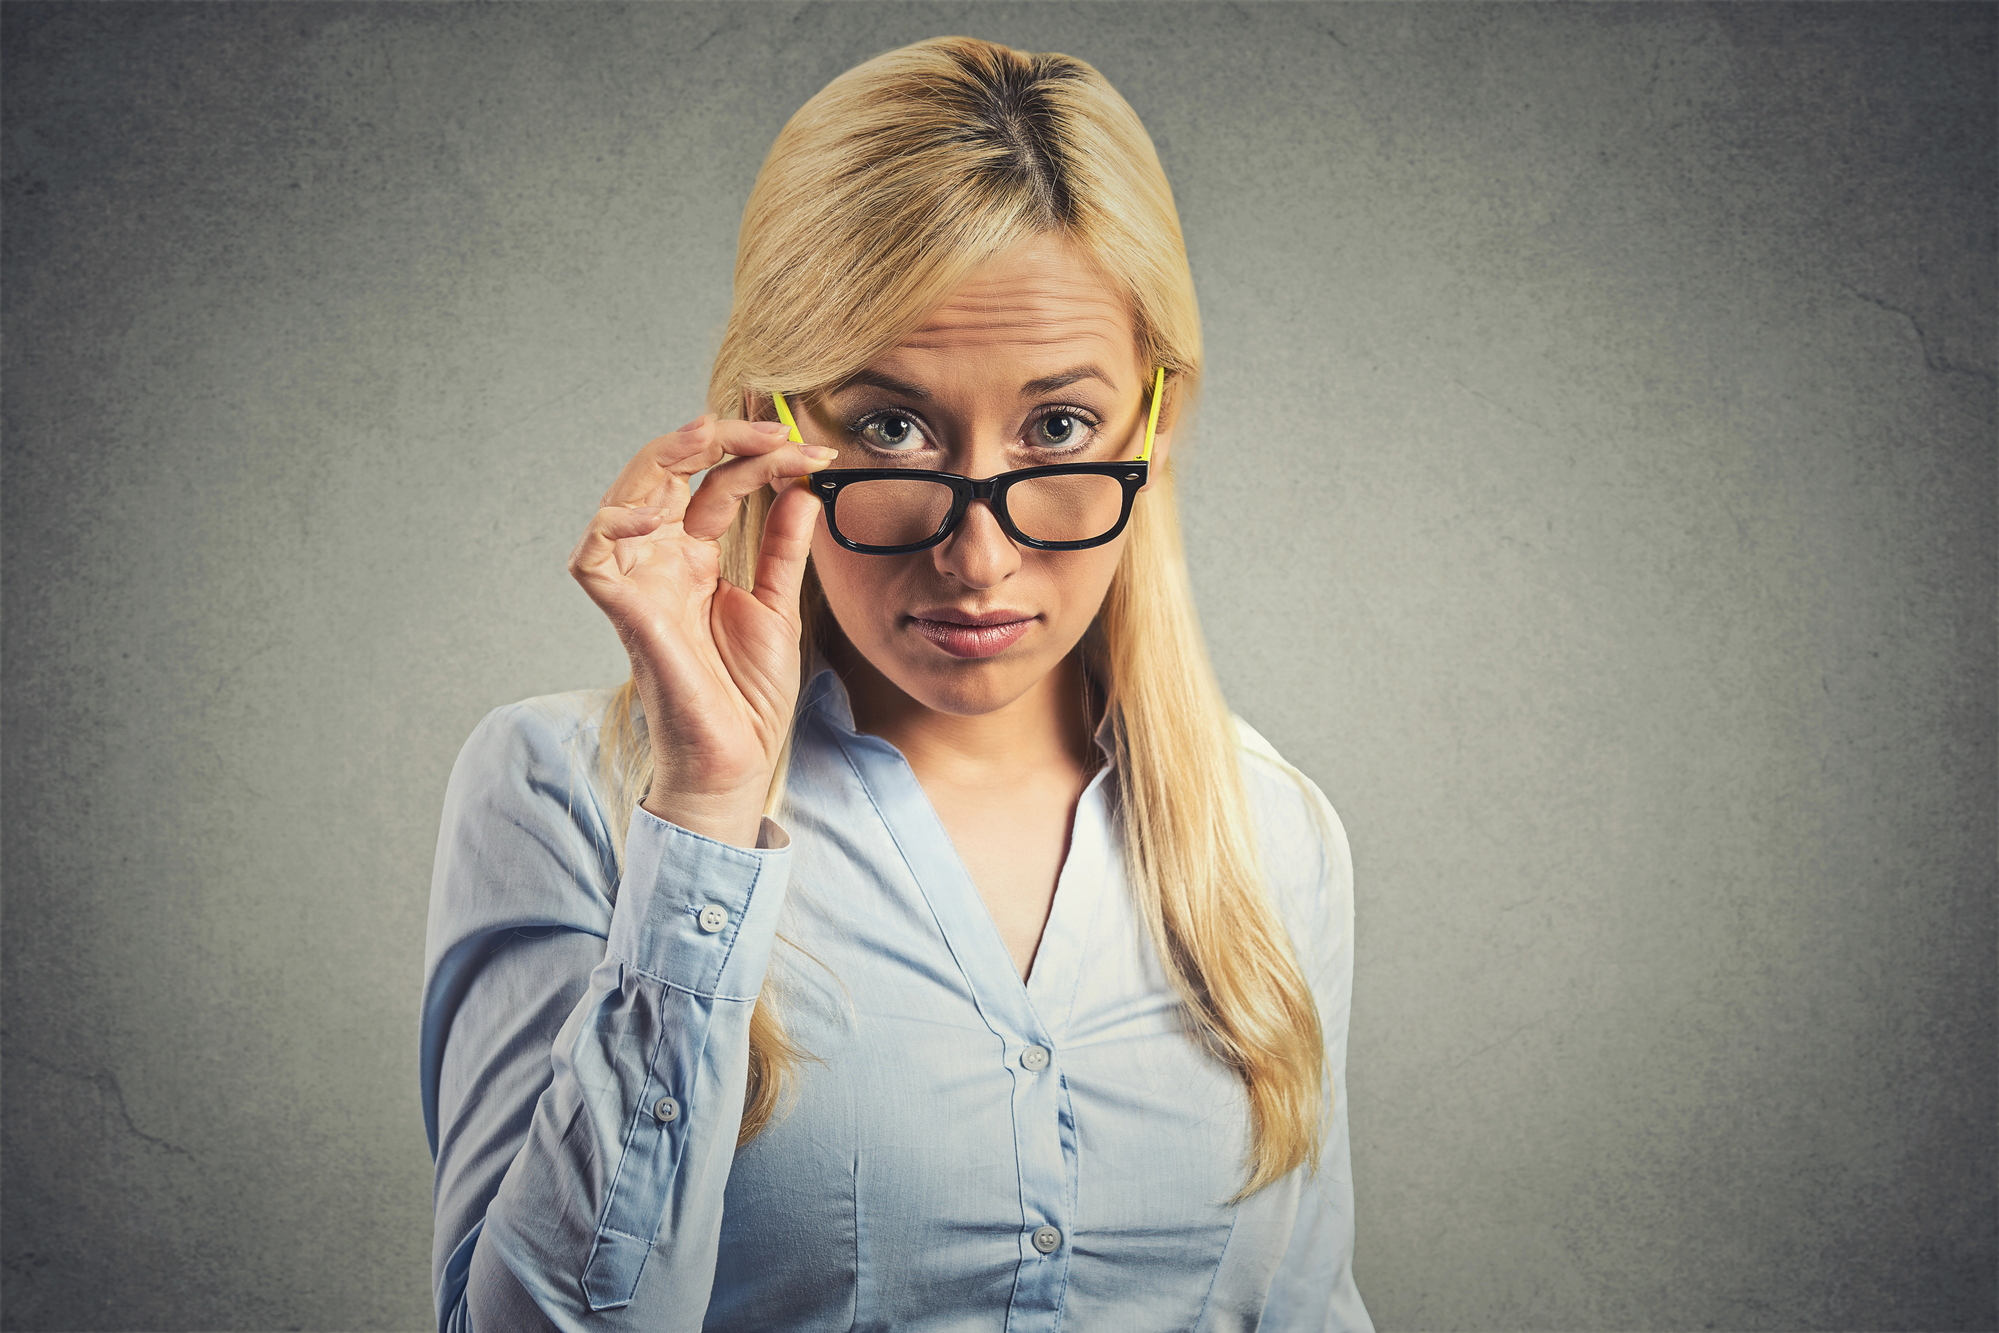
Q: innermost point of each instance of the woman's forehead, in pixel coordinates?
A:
(1039, 309)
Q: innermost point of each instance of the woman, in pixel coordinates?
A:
(963, 963)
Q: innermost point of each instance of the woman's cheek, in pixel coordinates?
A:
(861, 590)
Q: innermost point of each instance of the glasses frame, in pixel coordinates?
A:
(1131, 474)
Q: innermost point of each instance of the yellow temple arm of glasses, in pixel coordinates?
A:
(1152, 420)
(784, 415)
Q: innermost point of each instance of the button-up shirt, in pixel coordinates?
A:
(959, 1149)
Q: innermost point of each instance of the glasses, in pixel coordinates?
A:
(1060, 507)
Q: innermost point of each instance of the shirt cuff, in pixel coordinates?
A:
(699, 914)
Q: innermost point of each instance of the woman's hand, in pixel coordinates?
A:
(716, 665)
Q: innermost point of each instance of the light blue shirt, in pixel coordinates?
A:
(962, 1151)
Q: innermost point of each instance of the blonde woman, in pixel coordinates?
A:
(916, 941)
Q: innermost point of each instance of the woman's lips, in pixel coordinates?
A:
(992, 636)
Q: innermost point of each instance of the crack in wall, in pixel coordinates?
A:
(1941, 364)
(105, 1081)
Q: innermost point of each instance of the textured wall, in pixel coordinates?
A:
(1594, 489)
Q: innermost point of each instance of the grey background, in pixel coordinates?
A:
(1594, 490)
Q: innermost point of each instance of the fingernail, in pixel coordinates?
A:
(692, 425)
(821, 452)
(771, 427)
(646, 512)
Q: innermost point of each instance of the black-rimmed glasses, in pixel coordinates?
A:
(1059, 507)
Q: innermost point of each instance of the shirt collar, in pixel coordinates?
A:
(826, 693)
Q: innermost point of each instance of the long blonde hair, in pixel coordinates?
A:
(876, 200)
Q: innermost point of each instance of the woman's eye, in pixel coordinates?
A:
(1059, 429)
(890, 432)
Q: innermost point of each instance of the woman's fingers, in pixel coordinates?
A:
(651, 565)
(594, 562)
(787, 541)
(658, 473)
(713, 507)
(646, 479)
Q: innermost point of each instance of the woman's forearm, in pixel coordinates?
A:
(628, 1155)
(586, 1092)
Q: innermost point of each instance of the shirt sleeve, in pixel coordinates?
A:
(585, 1038)
(1312, 868)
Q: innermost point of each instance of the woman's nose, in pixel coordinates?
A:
(979, 554)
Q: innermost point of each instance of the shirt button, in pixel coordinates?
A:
(665, 1109)
(1034, 1058)
(713, 918)
(1047, 1239)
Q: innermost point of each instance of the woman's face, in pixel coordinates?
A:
(1031, 361)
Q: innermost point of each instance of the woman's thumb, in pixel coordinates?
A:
(787, 542)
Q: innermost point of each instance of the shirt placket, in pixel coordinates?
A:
(1044, 1130)
(1043, 1117)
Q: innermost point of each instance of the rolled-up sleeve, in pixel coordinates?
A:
(585, 1038)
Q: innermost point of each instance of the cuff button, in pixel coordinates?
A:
(713, 918)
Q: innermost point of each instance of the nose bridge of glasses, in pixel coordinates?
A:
(988, 491)
(970, 492)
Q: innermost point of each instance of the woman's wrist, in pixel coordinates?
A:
(734, 817)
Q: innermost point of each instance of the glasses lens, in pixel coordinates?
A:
(1072, 508)
(891, 512)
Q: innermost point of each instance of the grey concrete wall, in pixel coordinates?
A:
(1594, 489)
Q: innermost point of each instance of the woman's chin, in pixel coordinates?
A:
(967, 686)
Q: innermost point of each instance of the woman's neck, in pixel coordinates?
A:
(1050, 727)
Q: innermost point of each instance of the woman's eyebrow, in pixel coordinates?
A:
(1062, 380)
(876, 379)
(1033, 388)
